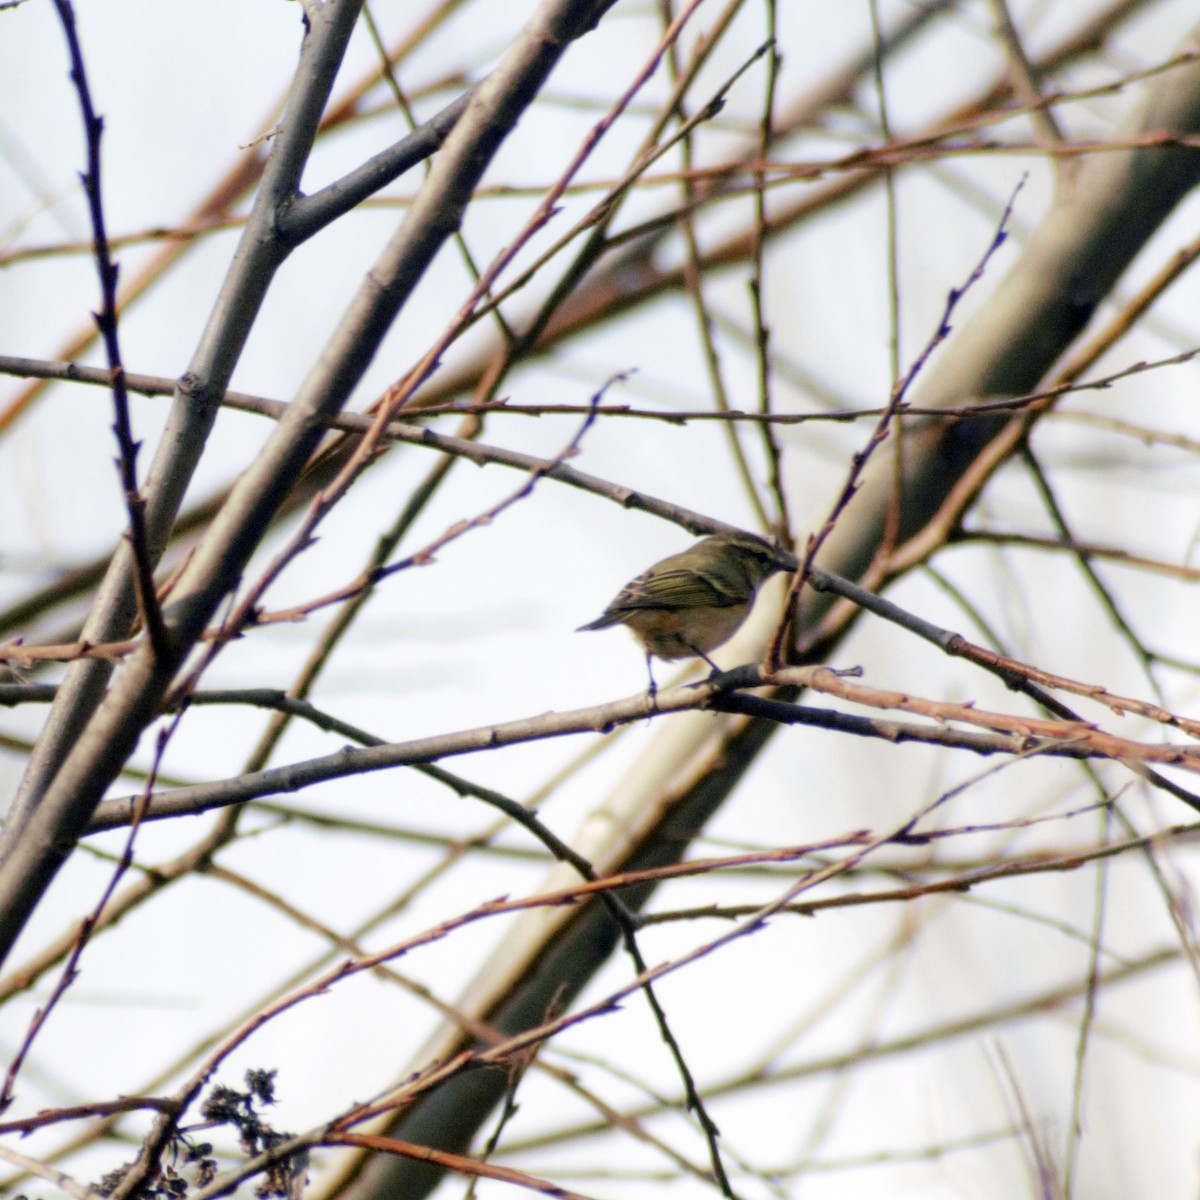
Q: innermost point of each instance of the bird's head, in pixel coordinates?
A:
(753, 558)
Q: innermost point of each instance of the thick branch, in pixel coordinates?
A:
(38, 844)
(194, 410)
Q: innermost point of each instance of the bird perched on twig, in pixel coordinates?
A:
(691, 603)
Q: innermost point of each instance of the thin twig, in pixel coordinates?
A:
(106, 323)
(775, 651)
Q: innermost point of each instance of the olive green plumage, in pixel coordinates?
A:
(690, 603)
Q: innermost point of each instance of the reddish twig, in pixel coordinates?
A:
(87, 927)
(858, 463)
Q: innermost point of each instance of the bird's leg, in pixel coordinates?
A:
(700, 654)
(653, 685)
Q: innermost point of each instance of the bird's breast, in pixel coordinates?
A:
(671, 633)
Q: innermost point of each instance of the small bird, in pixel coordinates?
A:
(691, 603)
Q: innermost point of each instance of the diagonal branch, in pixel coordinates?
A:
(195, 406)
(35, 845)
(1101, 218)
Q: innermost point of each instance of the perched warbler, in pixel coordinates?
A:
(690, 603)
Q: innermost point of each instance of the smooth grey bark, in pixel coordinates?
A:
(195, 406)
(279, 221)
(38, 845)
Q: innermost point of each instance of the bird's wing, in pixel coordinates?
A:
(682, 588)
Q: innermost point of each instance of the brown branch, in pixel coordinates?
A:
(1004, 733)
(82, 1112)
